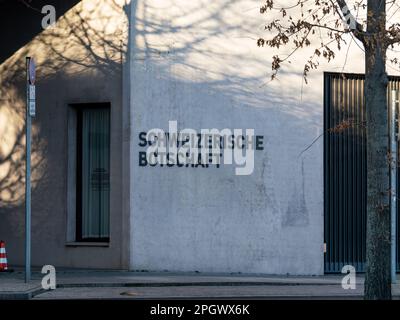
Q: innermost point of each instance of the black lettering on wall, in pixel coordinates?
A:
(143, 140)
(142, 159)
(259, 142)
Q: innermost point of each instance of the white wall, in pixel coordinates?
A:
(197, 62)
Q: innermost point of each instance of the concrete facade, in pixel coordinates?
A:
(198, 63)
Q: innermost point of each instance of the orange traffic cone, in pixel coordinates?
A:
(3, 257)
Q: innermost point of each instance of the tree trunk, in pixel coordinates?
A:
(378, 276)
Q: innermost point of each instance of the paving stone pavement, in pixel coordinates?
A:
(204, 292)
(100, 284)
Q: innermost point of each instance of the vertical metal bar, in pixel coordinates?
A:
(331, 179)
(341, 188)
(345, 162)
(351, 174)
(336, 176)
(363, 222)
(360, 173)
(345, 157)
(326, 187)
(393, 171)
(356, 175)
(28, 183)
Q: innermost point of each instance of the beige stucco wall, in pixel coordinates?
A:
(79, 60)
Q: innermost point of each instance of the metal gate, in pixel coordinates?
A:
(345, 171)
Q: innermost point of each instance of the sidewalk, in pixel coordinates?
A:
(13, 286)
(100, 284)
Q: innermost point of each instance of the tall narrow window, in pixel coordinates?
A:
(93, 173)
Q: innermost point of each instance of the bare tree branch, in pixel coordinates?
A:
(346, 14)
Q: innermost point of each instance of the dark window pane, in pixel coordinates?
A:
(95, 173)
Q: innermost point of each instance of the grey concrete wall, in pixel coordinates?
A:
(75, 65)
(198, 63)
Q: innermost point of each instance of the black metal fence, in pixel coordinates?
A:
(345, 170)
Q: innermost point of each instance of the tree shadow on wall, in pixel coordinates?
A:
(87, 43)
(90, 41)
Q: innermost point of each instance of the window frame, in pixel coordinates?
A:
(79, 164)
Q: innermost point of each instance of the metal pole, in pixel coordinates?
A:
(393, 184)
(28, 183)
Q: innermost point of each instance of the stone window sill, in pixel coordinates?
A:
(87, 244)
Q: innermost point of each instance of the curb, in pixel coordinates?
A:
(187, 284)
(24, 295)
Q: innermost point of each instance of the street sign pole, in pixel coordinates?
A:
(30, 81)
